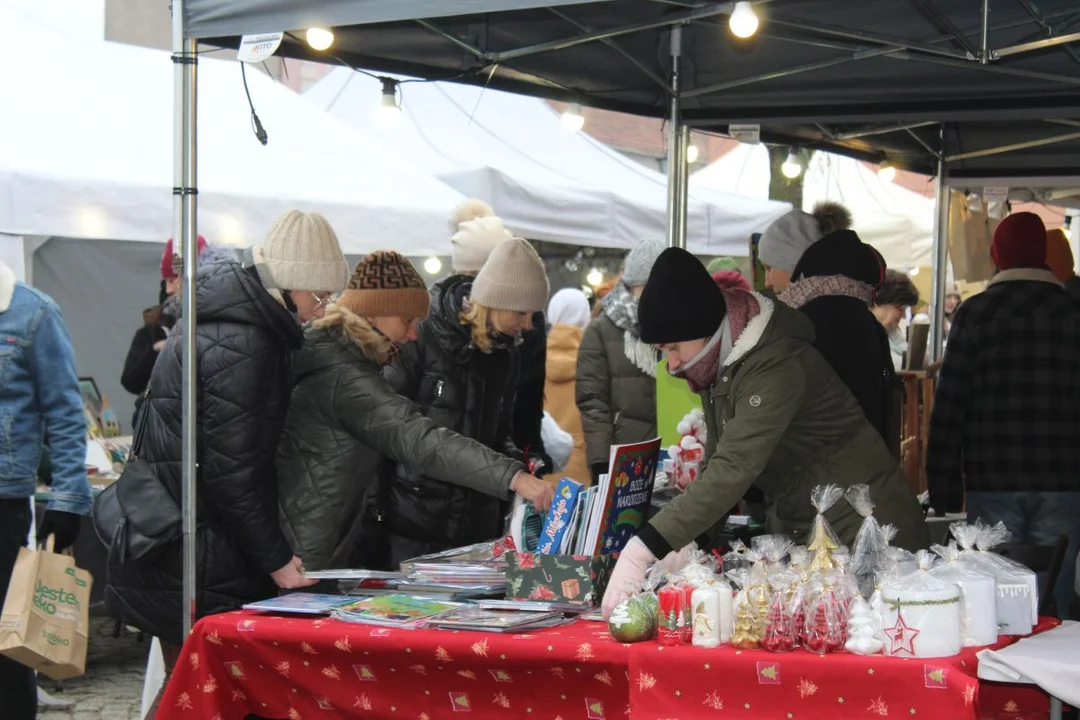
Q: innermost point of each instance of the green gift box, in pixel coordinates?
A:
(576, 579)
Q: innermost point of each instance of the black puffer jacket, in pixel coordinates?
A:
(463, 389)
(244, 338)
(529, 404)
(342, 409)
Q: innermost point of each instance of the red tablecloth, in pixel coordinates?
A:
(240, 663)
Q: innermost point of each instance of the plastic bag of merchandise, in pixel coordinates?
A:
(847, 585)
(772, 548)
(735, 558)
(1016, 586)
(778, 632)
(700, 568)
(823, 541)
(634, 619)
(922, 616)
(825, 625)
(869, 551)
(901, 562)
(978, 609)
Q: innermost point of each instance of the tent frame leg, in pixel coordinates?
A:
(676, 151)
(940, 259)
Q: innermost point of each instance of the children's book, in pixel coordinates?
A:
(393, 610)
(625, 495)
(301, 604)
(559, 516)
(483, 619)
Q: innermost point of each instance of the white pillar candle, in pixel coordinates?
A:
(727, 611)
(922, 623)
(705, 608)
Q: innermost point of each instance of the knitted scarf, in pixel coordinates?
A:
(700, 372)
(803, 290)
(621, 307)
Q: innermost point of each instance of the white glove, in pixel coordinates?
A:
(676, 560)
(634, 562)
(558, 443)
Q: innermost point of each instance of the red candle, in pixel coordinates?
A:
(672, 615)
(688, 603)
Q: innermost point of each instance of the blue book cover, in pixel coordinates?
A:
(558, 516)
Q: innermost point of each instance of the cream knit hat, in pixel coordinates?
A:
(301, 252)
(475, 233)
(513, 278)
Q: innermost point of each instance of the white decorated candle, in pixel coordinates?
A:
(922, 614)
(978, 610)
(705, 608)
(727, 611)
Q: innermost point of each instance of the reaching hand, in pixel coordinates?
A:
(291, 576)
(634, 562)
(536, 491)
(63, 526)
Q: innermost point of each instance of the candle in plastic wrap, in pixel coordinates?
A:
(727, 610)
(688, 627)
(672, 615)
(922, 614)
(978, 611)
(706, 617)
(1016, 586)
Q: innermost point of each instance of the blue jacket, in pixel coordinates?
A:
(39, 399)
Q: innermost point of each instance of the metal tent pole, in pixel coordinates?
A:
(185, 207)
(940, 258)
(684, 181)
(676, 158)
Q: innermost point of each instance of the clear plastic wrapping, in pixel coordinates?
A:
(735, 559)
(863, 629)
(823, 541)
(922, 614)
(1016, 586)
(635, 619)
(825, 624)
(901, 562)
(978, 610)
(870, 551)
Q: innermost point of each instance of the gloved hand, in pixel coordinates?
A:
(64, 526)
(634, 562)
(676, 560)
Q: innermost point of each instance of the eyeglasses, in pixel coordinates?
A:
(322, 301)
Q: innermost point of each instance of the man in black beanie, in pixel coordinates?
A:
(779, 420)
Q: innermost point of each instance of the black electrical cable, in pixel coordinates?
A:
(256, 124)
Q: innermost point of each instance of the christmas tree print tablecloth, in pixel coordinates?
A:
(300, 669)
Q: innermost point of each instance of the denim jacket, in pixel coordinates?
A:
(39, 399)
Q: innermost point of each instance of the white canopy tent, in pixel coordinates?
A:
(546, 183)
(743, 171)
(88, 153)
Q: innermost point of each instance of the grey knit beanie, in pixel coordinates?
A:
(785, 241)
(639, 262)
(513, 278)
(301, 252)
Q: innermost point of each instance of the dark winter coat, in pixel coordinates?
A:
(1007, 405)
(464, 390)
(244, 338)
(529, 403)
(780, 420)
(139, 363)
(617, 400)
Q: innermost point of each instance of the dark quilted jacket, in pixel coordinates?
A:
(244, 338)
(467, 391)
(343, 411)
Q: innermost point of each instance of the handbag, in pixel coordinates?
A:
(137, 515)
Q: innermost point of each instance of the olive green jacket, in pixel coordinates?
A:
(782, 421)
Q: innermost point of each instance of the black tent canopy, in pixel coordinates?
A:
(870, 79)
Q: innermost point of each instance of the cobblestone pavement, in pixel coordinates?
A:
(111, 689)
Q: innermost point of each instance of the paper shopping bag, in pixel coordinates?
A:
(47, 613)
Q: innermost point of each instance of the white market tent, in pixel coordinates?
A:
(743, 171)
(545, 182)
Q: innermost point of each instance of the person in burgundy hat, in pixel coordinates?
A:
(1005, 425)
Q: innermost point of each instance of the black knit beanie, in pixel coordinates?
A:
(842, 253)
(681, 301)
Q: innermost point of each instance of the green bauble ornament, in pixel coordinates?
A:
(632, 621)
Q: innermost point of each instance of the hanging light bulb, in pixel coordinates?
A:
(572, 119)
(791, 168)
(432, 265)
(595, 277)
(743, 21)
(913, 271)
(887, 171)
(692, 154)
(389, 110)
(320, 38)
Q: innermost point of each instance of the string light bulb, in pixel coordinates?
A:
(572, 119)
(692, 154)
(389, 109)
(433, 265)
(743, 21)
(886, 171)
(791, 168)
(595, 277)
(319, 38)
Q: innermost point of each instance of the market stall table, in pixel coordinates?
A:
(298, 668)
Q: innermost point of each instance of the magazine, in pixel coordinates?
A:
(483, 619)
(393, 610)
(531, 606)
(300, 604)
(624, 497)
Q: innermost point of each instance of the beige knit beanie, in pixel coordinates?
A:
(475, 232)
(513, 278)
(301, 252)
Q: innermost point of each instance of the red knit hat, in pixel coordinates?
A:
(167, 271)
(1019, 242)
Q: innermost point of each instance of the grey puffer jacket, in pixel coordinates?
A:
(342, 413)
(616, 399)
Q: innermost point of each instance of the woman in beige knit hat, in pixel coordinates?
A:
(344, 413)
(462, 374)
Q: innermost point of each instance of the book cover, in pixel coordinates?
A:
(558, 516)
(481, 618)
(393, 609)
(300, 604)
(629, 490)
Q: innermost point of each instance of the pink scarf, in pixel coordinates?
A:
(700, 373)
(804, 290)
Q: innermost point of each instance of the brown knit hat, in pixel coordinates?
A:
(385, 284)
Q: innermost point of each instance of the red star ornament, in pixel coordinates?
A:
(902, 636)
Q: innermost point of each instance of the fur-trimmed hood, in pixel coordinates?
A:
(340, 337)
(375, 346)
(775, 322)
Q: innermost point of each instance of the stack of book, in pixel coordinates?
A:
(497, 621)
(600, 520)
(451, 580)
(300, 604)
(397, 611)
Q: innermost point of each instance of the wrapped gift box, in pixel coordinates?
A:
(577, 579)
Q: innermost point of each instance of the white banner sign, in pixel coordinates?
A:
(750, 134)
(995, 194)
